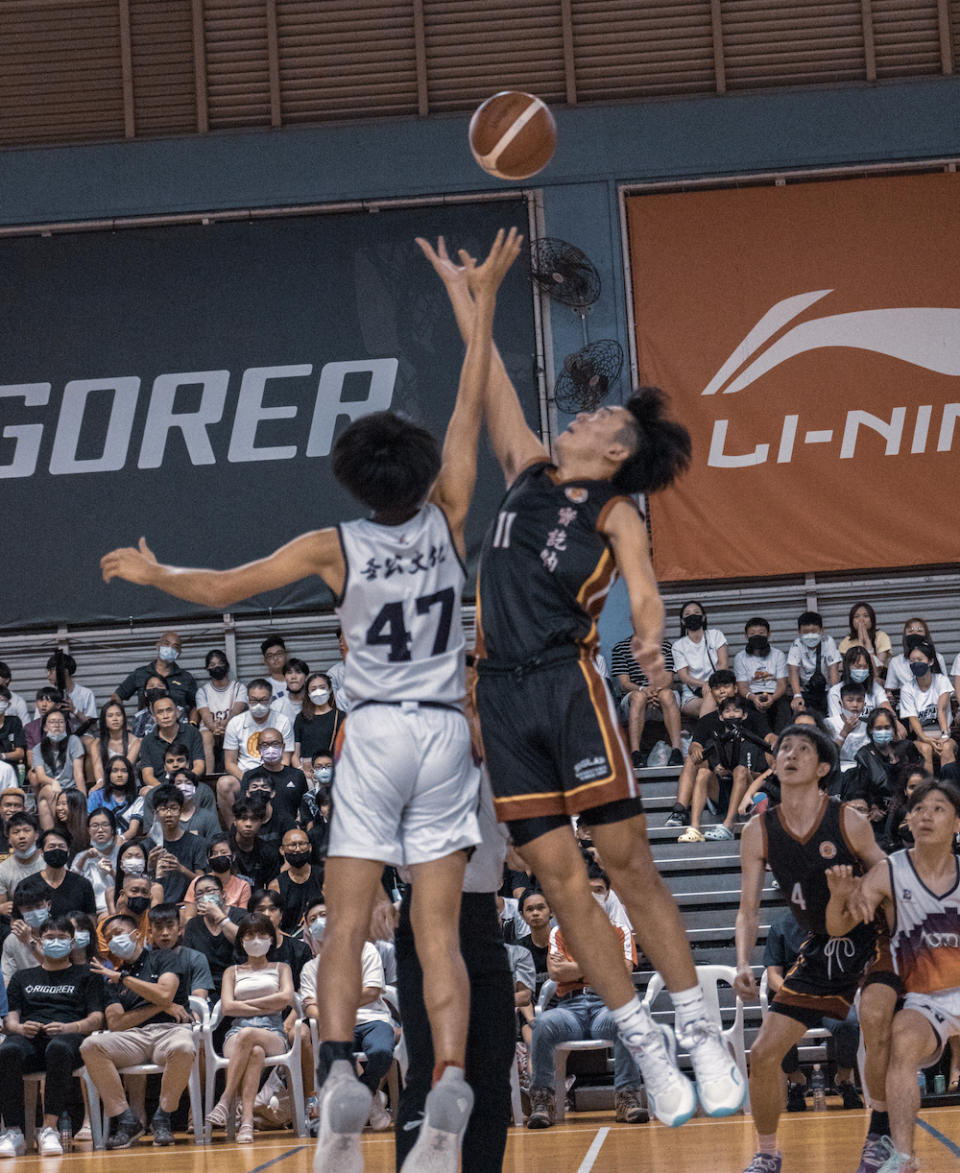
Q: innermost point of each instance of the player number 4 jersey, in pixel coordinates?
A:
(400, 610)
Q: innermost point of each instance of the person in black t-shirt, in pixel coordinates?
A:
(259, 862)
(261, 787)
(13, 744)
(722, 683)
(315, 726)
(289, 783)
(68, 891)
(295, 953)
(301, 884)
(148, 1021)
(181, 855)
(52, 1006)
(536, 912)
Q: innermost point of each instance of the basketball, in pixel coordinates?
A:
(513, 135)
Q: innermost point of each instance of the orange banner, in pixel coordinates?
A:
(809, 337)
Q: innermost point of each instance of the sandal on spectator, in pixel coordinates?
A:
(720, 831)
(691, 835)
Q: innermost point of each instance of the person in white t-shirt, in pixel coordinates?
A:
(925, 703)
(697, 654)
(858, 669)
(849, 728)
(955, 673)
(80, 700)
(813, 664)
(762, 674)
(915, 631)
(274, 652)
(18, 706)
(217, 702)
(335, 674)
(241, 742)
(295, 675)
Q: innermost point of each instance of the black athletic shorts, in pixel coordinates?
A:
(553, 745)
(823, 981)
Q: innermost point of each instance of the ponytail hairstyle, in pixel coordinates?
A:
(661, 446)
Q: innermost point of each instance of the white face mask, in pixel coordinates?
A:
(259, 710)
(257, 946)
(4, 705)
(135, 866)
(187, 789)
(166, 653)
(320, 696)
(810, 638)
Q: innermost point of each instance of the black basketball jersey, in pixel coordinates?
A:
(800, 865)
(545, 568)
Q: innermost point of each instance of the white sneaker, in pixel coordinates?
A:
(445, 1118)
(48, 1143)
(344, 1106)
(12, 1143)
(671, 1096)
(380, 1118)
(720, 1082)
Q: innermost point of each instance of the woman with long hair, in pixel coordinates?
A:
(113, 739)
(316, 726)
(118, 793)
(858, 668)
(65, 808)
(915, 631)
(132, 861)
(56, 762)
(98, 862)
(862, 621)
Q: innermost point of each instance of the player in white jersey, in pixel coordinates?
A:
(919, 891)
(405, 791)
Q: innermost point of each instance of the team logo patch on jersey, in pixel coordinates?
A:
(828, 850)
(906, 894)
(576, 495)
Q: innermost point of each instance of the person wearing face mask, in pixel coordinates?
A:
(98, 863)
(143, 722)
(849, 730)
(581, 1014)
(289, 782)
(241, 743)
(217, 702)
(212, 929)
(915, 631)
(813, 664)
(220, 862)
(290, 950)
(925, 707)
(25, 857)
(700, 651)
(761, 673)
(134, 899)
(877, 763)
(52, 1006)
(66, 891)
(148, 1021)
(169, 733)
(260, 787)
(300, 883)
(132, 866)
(21, 949)
(57, 762)
(316, 725)
(316, 806)
(198, 815)
(179, 682)
(13, 743)
(254, 995)
(857, 668)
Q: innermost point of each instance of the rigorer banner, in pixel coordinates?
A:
(809, 337)
(187, 383)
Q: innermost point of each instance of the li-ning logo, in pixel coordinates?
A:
(925, 337)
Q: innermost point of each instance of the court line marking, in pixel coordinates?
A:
(592, 1152)
(282, 1157)
(937, 1135)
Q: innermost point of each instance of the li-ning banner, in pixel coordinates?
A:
(187, 383)
(809, 336)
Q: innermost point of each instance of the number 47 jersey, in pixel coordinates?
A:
(400, 611)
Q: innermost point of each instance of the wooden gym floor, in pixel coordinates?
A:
(588, 1142)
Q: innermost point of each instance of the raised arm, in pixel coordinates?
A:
(514, 443)
(748, 914)
(454, 488)
(628, 537)
(313, 553)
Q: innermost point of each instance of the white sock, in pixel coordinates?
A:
(689, 1005)
(633, 1020)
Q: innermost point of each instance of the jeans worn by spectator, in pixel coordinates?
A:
(575, 1018)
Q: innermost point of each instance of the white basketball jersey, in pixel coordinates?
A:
(400, 611)
(926, 937)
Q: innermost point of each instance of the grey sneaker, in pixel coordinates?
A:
(630, 1109)
(678, 817)
(541, 1107)
(446, 1115)
(765, 1163)
(12, 1143)
(344, 1108)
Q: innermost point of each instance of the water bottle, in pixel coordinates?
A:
(922, 1082)
(939, 1084)
(819, 1088)
(65, 1125)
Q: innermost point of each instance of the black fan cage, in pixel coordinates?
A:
(564, 272)
(588, 376)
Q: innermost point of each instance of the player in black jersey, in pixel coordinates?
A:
(551, 739)
(801, 839)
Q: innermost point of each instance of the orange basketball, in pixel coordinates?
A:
(513, 135)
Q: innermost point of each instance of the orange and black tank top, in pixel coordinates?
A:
(545, 568)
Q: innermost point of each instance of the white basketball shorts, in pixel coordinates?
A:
(406, 789)
(942, 1010)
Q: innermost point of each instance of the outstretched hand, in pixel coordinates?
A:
(133, 564)
(454, 276)
(488, 276)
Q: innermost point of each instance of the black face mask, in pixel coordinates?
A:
(154, 694)
(297, 859)
(911, 642)
(56, 857)
(758, 645)
(138, 905)
(732, 724)
(218, 671)
(220, 863)
(693, 622)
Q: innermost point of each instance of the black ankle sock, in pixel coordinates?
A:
(879, 1123)
(330, 1052)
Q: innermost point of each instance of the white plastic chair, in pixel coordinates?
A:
(288, 1059)
(31, 1090)
(98, 1122)
(561, 1052)
(709, 977)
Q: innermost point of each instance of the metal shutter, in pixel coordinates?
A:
(801, 43)
(161, 43)
(238, 73)
(60, 72)
(341, 59)
(626, 50)
(473, 51)
(907, 37)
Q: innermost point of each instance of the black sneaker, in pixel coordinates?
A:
(160, 1127)
(849, 1094)
(638, 758)
(795, 1097)
(127, 1131)
(678, 817)
(675, 758)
